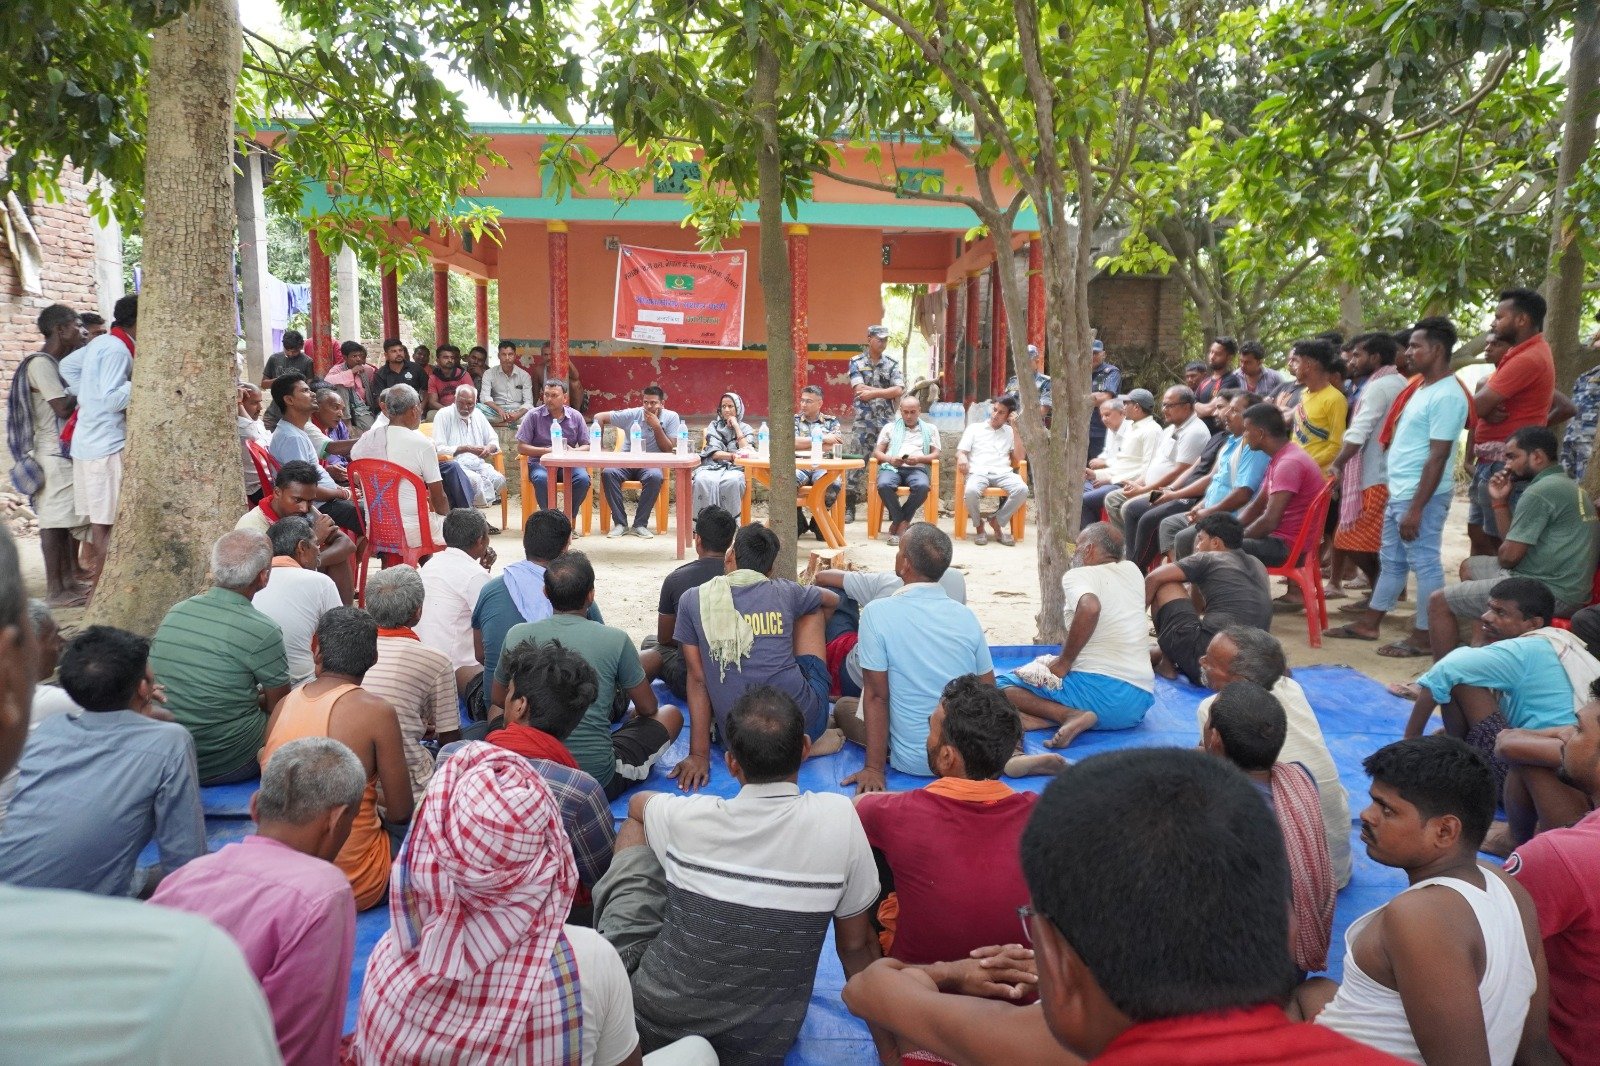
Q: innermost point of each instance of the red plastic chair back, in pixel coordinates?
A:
(266, 466)
(379, 488)
(1304, 567)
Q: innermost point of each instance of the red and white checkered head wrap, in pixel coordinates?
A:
(477, 899)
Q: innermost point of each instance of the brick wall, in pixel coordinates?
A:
(1141, 321)
(66, 235)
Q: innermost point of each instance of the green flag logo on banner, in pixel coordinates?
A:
(680, 282)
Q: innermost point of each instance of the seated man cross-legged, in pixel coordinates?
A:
(617, 758)
(98, 784)
(278, 894)
(297, 593)
(1451, 970)
(748, 629)
(719, 907)
(1231, 587)
(1102, 678)
(461, 431)
(1246, 725)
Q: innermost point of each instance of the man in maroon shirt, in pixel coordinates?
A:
(951, 846)
(1160, 931)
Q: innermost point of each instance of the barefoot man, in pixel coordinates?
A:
(1102, 677)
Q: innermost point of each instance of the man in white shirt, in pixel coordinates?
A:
(251, 431)
(1137, 436)
(1102, 678)
(297, 595)
(507, 388)
(451, 581)
(1180, 445)
(987, 456)
(394, 438)
(461, 430)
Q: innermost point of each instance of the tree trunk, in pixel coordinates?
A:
(779, 299)
(1564, 282)
(1350, 310)
(181, 488)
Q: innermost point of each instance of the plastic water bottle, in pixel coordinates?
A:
(558, 441)
(683, 439)
(763, 439)
(635, 439)
(816, 442)
(594, 437)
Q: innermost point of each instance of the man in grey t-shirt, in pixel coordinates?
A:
(1233, 585)
(658, 432)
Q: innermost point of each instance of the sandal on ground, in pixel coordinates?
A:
(1347, 632)
(981, 538)
(1008, 540)
(1403, 649)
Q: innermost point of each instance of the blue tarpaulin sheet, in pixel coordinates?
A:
(1358, 716)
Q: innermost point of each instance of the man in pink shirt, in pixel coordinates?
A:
(1557, 868)
(1273, 519)
(280, 897)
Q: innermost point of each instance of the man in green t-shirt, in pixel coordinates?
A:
(1552, 536)
(621, 758)
(222, 661)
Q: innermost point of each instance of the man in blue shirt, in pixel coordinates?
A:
(95, 786)
(1236, 477)
(1517, 679)
(104, 385)
(912, 644)
(658, 432)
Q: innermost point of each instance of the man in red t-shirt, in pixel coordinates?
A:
(951, 847)
(1517, 394)
(1558, 868)
(446, 376)
(1160, 933)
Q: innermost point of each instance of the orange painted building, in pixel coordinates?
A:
(555, 263)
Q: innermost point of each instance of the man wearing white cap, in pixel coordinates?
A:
(878, 382)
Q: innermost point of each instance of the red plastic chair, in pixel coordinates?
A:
(1594, 598)
(378, 487)
(266, 466)
(1304, 567)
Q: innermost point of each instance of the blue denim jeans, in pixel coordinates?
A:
(1396, 557)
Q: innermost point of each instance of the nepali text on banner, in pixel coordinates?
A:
(681, 299)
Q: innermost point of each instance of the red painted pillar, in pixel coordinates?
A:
(390, 300)
(557, 231)
(952, 337)
(1036, 292)
(480, 310)
(998, 341)
(441, 304)
(800, 307)
(321, 339)
(969, 381)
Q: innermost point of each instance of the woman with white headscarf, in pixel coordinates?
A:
(478, 965)
(720, 480)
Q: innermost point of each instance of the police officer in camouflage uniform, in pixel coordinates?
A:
(878, 383)
(810, 413)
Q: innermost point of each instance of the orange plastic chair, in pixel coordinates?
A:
(380, 486)
(1019, 521)
(1304, 566)
(930, 506)
(605, 505)
(558, 484)
(498, 462)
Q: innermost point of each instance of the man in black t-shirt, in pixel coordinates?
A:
(1232, 585)
(398, 370)
(292, 360)
(713, 535)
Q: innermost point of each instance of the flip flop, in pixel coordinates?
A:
(1346, 632)
(1408, 691)
(1402, 649)
(1358, 607)
(981, 538)
(1008, 540)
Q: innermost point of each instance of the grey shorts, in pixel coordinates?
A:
(1470, 598)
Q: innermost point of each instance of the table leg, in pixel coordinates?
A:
(817, 504)
(684, 478)
(749, 496)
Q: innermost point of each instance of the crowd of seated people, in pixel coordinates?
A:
(525, 925)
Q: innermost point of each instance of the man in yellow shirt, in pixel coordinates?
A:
(1322, 414)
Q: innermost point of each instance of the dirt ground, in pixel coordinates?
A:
(1002, 588)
